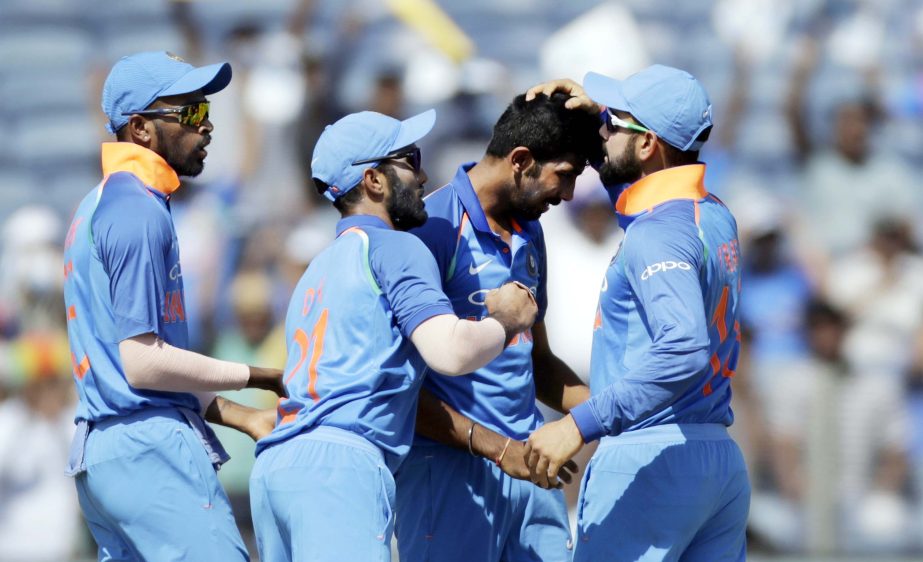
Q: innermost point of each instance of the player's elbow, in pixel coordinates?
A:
(449, 364)
(134, 356)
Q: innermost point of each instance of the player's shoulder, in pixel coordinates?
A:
(125, 193)
(396, 242)
(444, 202)
(124, 202)
(672, 217)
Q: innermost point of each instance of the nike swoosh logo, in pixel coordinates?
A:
(475, 270)
(605, 285)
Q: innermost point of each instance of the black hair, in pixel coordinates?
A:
(548, 129)
(677, 157)
(818, 311)
(343, 203)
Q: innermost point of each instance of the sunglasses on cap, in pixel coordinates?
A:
(192, 114)
(613, 122)
(412, 153)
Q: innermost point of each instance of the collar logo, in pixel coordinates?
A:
(532, 265)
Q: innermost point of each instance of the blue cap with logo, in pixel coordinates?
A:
(137, 80)
(668, 101)
(360, 136)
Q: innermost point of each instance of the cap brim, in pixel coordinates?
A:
(414, 129)
(210, 79)
(606, 91)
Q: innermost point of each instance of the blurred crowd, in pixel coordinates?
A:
(817, 150)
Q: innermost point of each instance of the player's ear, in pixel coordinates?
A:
(520, 159)
(375, 184)
(140, 131)
(646, 146)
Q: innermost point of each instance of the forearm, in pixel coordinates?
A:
(635, 398)
(152, 364)
(251, 421)
(452, 346)
(557, 385)
(440, 422)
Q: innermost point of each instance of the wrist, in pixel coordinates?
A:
(487, 443)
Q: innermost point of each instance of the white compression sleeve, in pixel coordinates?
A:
(206, 397)
(453, 346)
(153, 364)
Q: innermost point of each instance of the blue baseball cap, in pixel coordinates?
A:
(137, 80)
(360, 136)
(668, 101)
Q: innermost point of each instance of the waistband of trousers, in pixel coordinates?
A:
(669, 433)
(329, 434)
(139, 416)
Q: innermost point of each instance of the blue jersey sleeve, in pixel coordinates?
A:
(132, 234)
(409, 279)
(662, 265)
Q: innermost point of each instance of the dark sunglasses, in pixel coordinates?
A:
(193, 114)
(412, 153)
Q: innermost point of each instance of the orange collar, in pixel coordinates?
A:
(146, 164)
(681, 182)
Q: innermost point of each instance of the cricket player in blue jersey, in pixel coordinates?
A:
(459, 496)
(143, 459)
(667, 482)
(365, 320)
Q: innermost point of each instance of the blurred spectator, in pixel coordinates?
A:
(849, 182)
(39, 515)
(776, 287)
(839, 449)
(31, 278)
(880, 286)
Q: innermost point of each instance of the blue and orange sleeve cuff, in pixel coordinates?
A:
(587, 422)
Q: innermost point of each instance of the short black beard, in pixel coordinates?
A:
(184, 165)
(625, 168)
(405, 208)
(525, 203)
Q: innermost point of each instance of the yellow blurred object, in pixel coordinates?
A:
(39, 355)
(435, 25)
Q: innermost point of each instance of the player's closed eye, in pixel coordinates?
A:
(192, 114)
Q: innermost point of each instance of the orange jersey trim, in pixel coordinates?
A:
(146, 164)
(681, 182)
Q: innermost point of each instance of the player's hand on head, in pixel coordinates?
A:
(514, 306)
(578, 100)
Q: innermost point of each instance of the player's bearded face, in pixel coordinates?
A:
(185, 153)
(622, 168)
(405, 205)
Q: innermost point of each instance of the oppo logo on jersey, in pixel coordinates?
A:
(663, 266)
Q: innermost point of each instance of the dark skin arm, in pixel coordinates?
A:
(254, 422)
(560, 388)
(556, 384)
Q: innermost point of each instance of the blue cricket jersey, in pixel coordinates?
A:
(666, 337)
(351, 363)
(123, 279)
(472, 260)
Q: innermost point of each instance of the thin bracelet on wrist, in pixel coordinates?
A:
(503, 452)
(470, 438)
